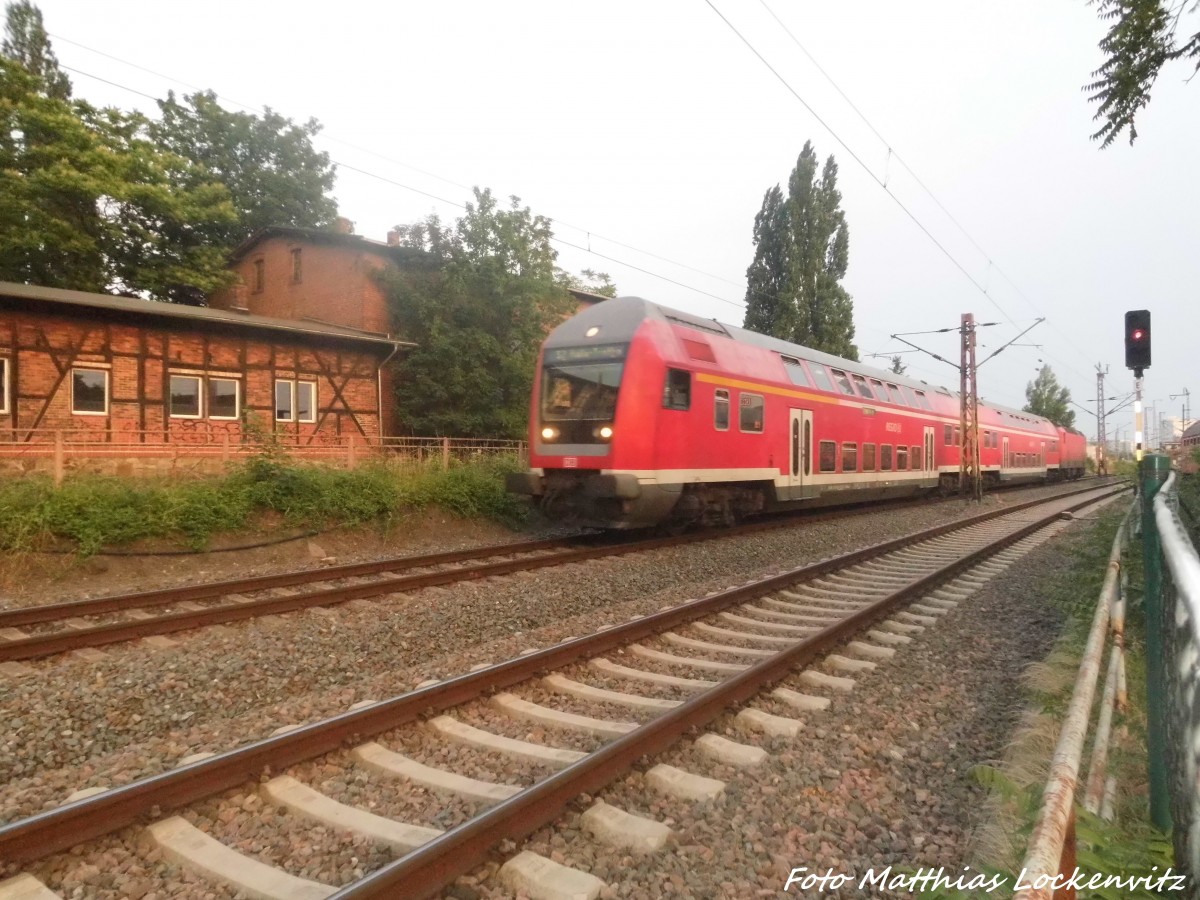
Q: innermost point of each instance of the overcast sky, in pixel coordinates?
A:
(649, 132)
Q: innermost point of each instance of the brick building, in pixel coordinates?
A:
(321, 276)
(140, 371)
(312, 275)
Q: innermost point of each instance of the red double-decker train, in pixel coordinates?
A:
(643, 415)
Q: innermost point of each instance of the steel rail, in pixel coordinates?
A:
(34, 615)
(45, 613)
(428, 869)
(72, 823)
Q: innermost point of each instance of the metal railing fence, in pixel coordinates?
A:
(1051, 852)
(1180, 626)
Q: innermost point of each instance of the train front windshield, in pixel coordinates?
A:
(579, 393)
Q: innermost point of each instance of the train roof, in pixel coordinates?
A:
(620, 317)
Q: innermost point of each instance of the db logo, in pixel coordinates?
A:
(570, 462)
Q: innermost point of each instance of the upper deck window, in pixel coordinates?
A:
(861, 384)
(820, 376)
(843, 382)
(795, 371)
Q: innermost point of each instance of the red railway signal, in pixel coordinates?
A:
(1137, 340)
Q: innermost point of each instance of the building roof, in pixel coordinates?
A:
(197, 315)
(319, 236)
(1192, 432)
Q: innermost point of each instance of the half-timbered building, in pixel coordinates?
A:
(142, 371)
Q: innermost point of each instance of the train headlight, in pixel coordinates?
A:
(549, 434)
(605, 432)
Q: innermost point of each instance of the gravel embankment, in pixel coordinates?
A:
(133, 713)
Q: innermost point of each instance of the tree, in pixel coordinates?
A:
(898, 365)
(268, 164)
(588, 280)
(86, 202)
(477, 300)
(802, 250)
(27, 44)
(1140, 41)
(1044, 397)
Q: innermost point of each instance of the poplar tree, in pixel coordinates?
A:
(802, 250)
(27, 44)
(1045, 397)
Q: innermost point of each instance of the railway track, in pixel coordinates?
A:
(41, 631)
(693, 662)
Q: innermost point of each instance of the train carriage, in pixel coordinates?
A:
(644, 415)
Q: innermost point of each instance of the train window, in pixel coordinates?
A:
(948, 434)
(914, 454)
(957, 436)
(721, 410)
(894, 394)
(795, 371)
(885, 457)
(868, 457)
(849, 457)
(750, 409)
(901, 459)
(924, 401)
(842, 382)
(820, 376)
(828, 462)
(908, 397)
(677, 389)
(880, 390)
(862, 387)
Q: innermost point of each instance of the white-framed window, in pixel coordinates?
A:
(224, 398)
(306, 401)
(185, 402)
(295, 401)
(4, 385)
(89, 392)
(285, 401)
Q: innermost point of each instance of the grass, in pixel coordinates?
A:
(89, 512)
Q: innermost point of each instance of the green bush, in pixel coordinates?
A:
(92, 512)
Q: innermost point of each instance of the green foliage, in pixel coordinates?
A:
(87, 202)
(1140, 41)
(27, 44)
(802, 250)
(267, 163)
(898, 366)
(477, 300)
(92, 512)
(1045, 397)
(588, 280)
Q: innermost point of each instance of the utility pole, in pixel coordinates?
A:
(969, 470)
(970, 479)
(1187, 396)
(1101, 433)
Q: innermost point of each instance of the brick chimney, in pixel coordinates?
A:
(343, 225)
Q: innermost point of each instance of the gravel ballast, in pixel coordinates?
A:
(78, 723)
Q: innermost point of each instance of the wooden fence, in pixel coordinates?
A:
(59, 451)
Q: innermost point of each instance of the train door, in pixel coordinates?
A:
(1007, 456)
(800, 442)
(928, 466)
